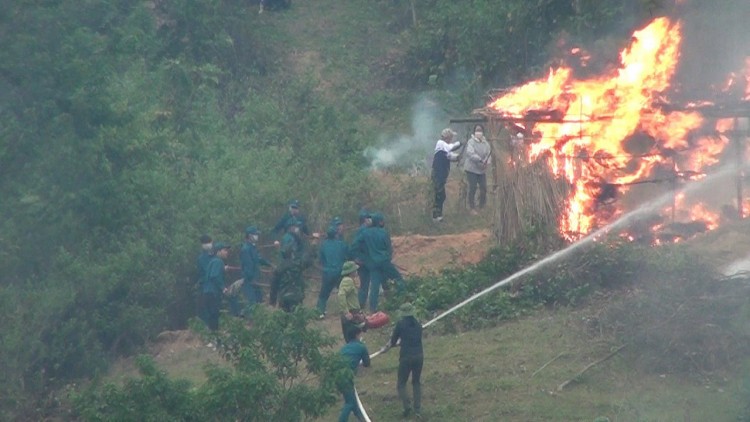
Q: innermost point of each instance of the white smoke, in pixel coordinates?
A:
(411, 151)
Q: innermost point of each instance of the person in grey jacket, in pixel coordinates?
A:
(475, 165)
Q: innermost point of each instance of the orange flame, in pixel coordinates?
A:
(607, 128)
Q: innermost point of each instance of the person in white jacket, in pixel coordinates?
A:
(477, 155)
(445, 152)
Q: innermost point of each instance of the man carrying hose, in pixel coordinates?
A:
(353, 352)
(408, 333)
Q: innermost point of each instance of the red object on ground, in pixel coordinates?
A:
(377, 320)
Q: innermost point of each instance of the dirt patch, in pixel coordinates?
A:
(418, 254)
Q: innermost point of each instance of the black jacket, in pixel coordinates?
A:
(409, 330)
(441, 165)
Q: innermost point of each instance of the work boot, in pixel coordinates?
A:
(406, 413)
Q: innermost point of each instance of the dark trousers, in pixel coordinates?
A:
(330, 280)
(474, 180)
(437, 207)
(410, 365)
(350, 404)
(379, 274)
(211, 307)
(253, 295)
(287, 286)
(364, 284)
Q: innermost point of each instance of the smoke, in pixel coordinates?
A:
(716, 43)
(415, 150)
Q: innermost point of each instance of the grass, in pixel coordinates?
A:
(487, 376)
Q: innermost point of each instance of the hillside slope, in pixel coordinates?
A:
(511, 372)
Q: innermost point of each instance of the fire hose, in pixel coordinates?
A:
(623, 220)
(450, 311)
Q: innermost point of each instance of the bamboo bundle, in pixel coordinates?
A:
(528, 201)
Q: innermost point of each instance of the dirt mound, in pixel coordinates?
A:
(418, 254)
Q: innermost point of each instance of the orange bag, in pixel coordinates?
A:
(377, 320)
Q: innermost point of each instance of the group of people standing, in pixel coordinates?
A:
(476, 156)
(370, 250)
(358, 269)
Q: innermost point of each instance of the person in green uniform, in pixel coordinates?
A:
(203, 259)
(251, 261)
(213, 285)
(359, 253)
(353, 352)
(331, 255)
(292, 213)
(379, 252)
(287, 286)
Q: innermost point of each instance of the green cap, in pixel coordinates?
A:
(349, 267)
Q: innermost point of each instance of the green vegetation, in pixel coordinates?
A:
(281, 370)
(130, 127)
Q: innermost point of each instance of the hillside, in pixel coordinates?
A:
(514, 371)
(511, 372)
(130, 128)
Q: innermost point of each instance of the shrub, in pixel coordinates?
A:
(281, 369)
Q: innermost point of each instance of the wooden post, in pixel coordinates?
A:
(674, 187)
(739, 143)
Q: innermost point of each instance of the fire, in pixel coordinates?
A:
(609, 131)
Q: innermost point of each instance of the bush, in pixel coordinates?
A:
(685, 318)
(281, 370)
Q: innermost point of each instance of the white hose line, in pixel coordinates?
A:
(361, 406)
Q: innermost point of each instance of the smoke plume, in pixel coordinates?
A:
(413, 150)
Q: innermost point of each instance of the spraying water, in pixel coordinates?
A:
(622, 222)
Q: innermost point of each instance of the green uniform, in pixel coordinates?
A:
(353, 353)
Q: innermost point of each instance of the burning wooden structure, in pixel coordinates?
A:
(576, 153)
(528, 195)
